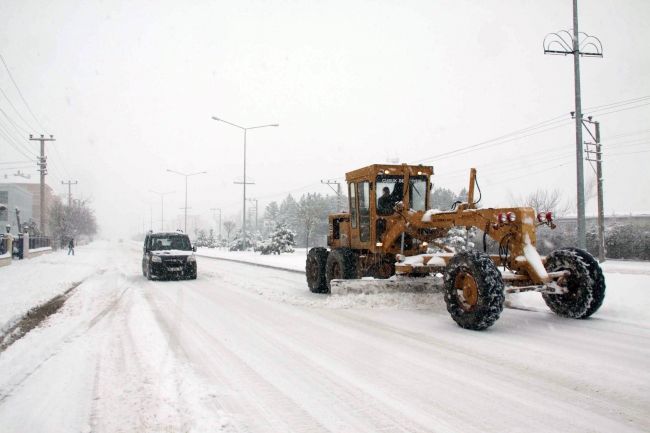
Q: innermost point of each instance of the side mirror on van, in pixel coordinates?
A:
(194, 248)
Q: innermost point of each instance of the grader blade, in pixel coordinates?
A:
(395, 284)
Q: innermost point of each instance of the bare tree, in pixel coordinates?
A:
(229, 225)
(543, 200)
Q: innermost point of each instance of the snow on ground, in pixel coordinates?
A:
(249, 349)
(103, 363)
(26, 284)
(295, 261)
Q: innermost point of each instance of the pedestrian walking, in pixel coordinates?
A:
(71, 246)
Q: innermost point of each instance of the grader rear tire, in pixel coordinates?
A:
(341, 265)
(585, 285)
(315, 270)
(474, 290)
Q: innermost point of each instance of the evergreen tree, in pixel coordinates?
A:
(313, 212)
(211, 241)
(272, 213)
(281, 240)
(238, 242)
(443, 199)
(289, 212)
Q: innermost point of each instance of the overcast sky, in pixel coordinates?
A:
(128, 89)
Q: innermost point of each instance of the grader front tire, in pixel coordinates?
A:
(585, 284)
(474, 290)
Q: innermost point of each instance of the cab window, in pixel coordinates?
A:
(418, 192)
(353, 206)
(390, 191)
(363, 189)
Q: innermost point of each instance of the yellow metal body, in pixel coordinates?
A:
(379, 240)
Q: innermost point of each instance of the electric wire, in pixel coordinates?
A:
(12, 106)
(21, 95)
(623, 109)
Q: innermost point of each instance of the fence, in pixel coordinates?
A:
(39, 242)
(3, 245)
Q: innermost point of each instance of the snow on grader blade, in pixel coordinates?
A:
(381, 245)
(395, 284)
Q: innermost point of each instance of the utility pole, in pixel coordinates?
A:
(256, 213)
(42, 163)
(214, 217)
(337, 191)
(564, 43)
(599, 180)
(69, 183)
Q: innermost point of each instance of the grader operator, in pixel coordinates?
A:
(389, 228)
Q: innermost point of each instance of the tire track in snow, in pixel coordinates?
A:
(71, 336)
(233, 372)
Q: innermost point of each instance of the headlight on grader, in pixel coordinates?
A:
(512, 217)
(541, 217)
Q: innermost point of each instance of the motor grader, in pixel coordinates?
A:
(390, 226)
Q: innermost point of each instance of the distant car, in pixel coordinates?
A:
(120, 240)
(168, 255)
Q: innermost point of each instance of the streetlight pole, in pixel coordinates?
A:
(565, 43)
(244, 181)
(214, 217)
(150, 214)
(186, 176)
(162, 206)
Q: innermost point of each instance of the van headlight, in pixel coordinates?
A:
(156, 259)
(191, 259)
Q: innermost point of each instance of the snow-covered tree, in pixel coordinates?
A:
(201, 239)
(442, 198)
(313, 212)
(281, 240)
(237, 242)
(66, 222)
(289, 212)
(272, 213)
(229, 225)
(455, 239)
(211, 242)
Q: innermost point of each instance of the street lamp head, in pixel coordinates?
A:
(215, 118)
(276, 124)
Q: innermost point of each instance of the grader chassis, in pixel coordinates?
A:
(390, 226)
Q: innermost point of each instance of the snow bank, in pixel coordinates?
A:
(29, 283)
(291, 261)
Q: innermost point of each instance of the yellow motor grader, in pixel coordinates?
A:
(390, 226)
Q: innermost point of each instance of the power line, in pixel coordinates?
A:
(620, 103)
(12, 106)
(21, 95)
(622, 109)
(643, 131)
(467, 148)
(14, 123)
(15, 162)
(15, 147)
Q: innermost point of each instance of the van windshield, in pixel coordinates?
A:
(170, 242)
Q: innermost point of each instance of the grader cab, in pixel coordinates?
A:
(390, 227)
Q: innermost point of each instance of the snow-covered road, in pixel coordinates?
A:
(250, 349)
